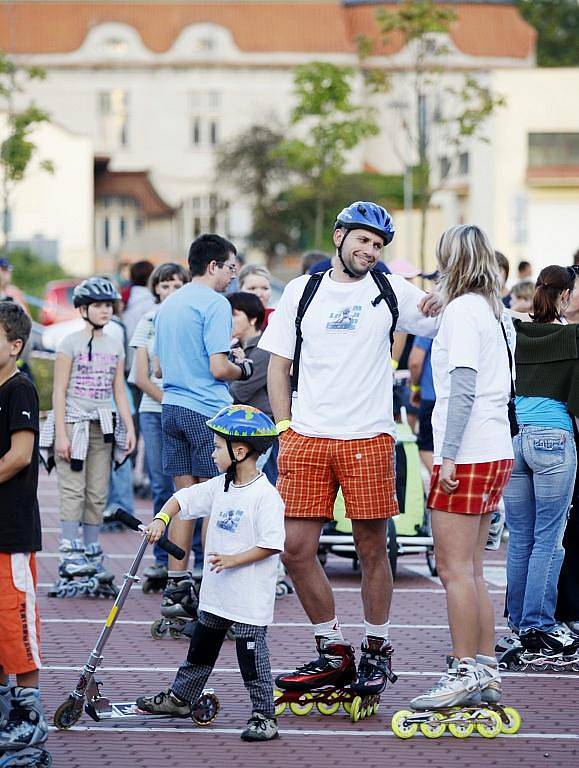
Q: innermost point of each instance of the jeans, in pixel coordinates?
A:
(537, 501)
(121, 488)
(161, 484)
(267, 463)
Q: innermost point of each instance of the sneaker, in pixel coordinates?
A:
(458, 687)
(26, 726)
(334, 666)
(260, 728)
(489, 677)
(375, 667)
(164, 703)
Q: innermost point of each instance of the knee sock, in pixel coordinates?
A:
(330, 630)
(377, 630)
(69, 529)
(90, 533)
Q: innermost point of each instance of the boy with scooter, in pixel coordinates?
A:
(245, 535)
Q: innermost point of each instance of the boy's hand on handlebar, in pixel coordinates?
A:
(154, 531)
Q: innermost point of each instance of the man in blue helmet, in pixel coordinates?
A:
(333, 333)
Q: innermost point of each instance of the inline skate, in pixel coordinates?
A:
(154, 578)
(555, 651)
(178, 607)
(24, 732)
(374, 668)
(324, 683)
(76, 574)
(508, 651)
(465, 699)
(95, 556)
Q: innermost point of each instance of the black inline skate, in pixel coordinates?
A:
(324, 683)
(179, 607)
(77, 575)
(154, 578)
(508, 651)
(374, 668)
(556, 650)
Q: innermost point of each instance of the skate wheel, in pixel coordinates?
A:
(347, 706)
(461, 730)
(301, 709)
(513, 723)
(327, 709)
(433, 729)
(175, 633)
(158, 630)
(356, 709)
(493, 728)
(68, 714)
(281, 707)
(402, 726)
(205, 709)
(375, 707)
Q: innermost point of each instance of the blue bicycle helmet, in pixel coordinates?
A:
(366, 215)
(243, 424)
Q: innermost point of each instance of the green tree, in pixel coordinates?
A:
(557, 25)
(424, 25)
(331, 125)
(17, 150)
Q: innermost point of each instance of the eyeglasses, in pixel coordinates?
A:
(232, 267)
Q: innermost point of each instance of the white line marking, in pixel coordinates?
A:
(297, 732)
(234, 670)
(275, 624)
(114, 556)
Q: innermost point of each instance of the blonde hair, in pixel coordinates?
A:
(468, 265)
(524, 289)
(253, 269)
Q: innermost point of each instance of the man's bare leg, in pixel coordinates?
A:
(377, 584)
(301, 560)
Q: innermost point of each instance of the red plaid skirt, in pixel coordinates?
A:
(480, 488)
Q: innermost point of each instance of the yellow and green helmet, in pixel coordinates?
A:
(244, 424)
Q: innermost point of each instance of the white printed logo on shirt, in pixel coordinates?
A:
(345, 319)
(26, 413)
(229, 519)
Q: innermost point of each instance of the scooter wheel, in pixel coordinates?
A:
(158, 629)
(67, 714)
(205, 709)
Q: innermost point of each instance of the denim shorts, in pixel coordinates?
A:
(187, 443)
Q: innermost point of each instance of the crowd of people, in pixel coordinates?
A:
(252, 419)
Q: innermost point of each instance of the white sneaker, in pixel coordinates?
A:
(458, 687)
(489, 679)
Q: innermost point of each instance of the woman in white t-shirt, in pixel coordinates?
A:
(473, 457)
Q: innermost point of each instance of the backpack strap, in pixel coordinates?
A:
(309, 292)
(386, 293)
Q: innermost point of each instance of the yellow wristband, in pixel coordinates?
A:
(414, 388)
(282, 425)
(162, 516)
(394, 364)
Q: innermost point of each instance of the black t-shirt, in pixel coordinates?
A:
(19, 514)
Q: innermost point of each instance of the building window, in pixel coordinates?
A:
(114, 118)
(463, 163)
(444, 167)
(205, 118)
(553, 149)
(106, 233)
(122, 228)
(208, 214)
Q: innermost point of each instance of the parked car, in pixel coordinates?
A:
(58, 302)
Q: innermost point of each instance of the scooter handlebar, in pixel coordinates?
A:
(134, 524)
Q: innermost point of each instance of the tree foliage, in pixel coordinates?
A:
(557, 25)
(329, 125)
(17, 150)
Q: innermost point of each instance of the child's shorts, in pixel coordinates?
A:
(19, 620)
(479, 491)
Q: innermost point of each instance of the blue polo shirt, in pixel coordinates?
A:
(192, 324)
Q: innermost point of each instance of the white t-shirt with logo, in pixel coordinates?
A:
(246, 516)
(470, 336)
(345, 376)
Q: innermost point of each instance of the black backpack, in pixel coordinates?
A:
(386, 293)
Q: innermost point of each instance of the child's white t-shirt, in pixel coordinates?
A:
(246, 516)
(470, 336)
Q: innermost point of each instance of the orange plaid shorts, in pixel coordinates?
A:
(479, 491)
(311, 469)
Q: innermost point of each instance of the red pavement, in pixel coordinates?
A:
(134, 663)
